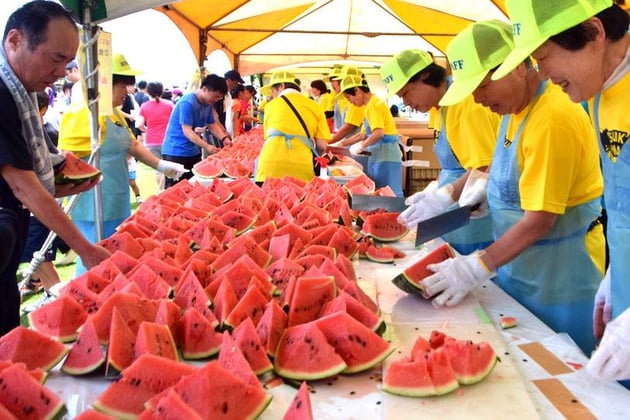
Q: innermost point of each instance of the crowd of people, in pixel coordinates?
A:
(512, 136)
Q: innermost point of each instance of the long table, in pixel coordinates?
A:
(538, 376)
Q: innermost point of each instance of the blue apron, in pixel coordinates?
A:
(116, 203)
(555, 277)
(384, 165)
(616, 198)
(478, 233)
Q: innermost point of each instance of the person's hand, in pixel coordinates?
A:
(172, 170)
(71, 188)
(337, 144)
(426, 204)
(357, 149)
(602, 311)
(611, 360)
(227, 142)
(454, 278)
(94, 255)
(475, 192)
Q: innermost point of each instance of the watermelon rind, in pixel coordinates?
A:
(422, 385)
(407, 285)
(508, 322)
(34, 349)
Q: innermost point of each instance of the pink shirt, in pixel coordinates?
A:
(156, 115)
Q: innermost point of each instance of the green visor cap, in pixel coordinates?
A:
(278, 77)
(350, 81)
(476, 50)
(535, 21)
(397, 71)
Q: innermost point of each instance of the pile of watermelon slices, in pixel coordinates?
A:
(439, 366)
(196, 263)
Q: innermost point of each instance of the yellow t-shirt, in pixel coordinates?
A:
(378, 115)
(471, 130)
(342, 102)
(558, 154)
(327, 102)
(276, 158)
(355, 115)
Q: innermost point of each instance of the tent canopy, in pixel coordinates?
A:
(260, 35)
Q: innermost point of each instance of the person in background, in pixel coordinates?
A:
(192, 114)
(129, 110)
(325, 99)
(241, 98)
(33, 34)
(295, 131)
(141, 96)
(73, 75)
(224, 107)
(117, 143)
(340, 103)
(464, 142)
(252, 108)
(132, 167)
(379, 136)
(353, 115)
(543, 190)
(177, 93)
(584, 47)
(152, 121)
(394, 111)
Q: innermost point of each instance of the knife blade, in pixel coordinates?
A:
(373, 202)
(443, 223)
(343, 151)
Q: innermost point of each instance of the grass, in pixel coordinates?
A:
(148, 186)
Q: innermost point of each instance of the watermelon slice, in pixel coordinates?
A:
(384, 227)
(26, 398)
(360, 347)
(34, 349)
(196, 336)
(304, 354)
(410, 280)
(170, 406)
(155, 339)
(300, 407)
(409, 378)
(86, 354)
(248, 342)
(75, 171)
(59, 319)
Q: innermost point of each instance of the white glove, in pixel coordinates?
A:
(611, 360)
(475, 192)
(455, 277)
(426, 204)
(357, 149)
(171, 169)
(602, 307)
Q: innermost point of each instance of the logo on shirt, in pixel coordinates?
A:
(506, 142)
(613, 141)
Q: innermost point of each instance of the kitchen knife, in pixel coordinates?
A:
(446, 222)
(373, 202)
(343, 151)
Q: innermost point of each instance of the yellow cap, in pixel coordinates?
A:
(403, 66)
(535, 21)
(278, 77)
(121, 67)
(350, 81)
(479, 48)
(335, 73)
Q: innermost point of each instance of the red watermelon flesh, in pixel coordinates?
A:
(300, 408)
(86, 354)
(282, 270)
(34, 349)
(409, 378)
(420, 348)
(123, 241)
(26, 398)
(216, 393)
(472, 362)
(251, 305)
(197, 337)
(155, 339)
(169, 407)
(59, 319)
(92, 281)
(231, 358)
(152, 285)
(132, 308)
(123, 261)
(303, 353)
(309, 296)
(346, 303)
(410, 280)
(40, 375)
(441, 372)
(208, 168)
(146, 377)
(343, 241)
(81, 294)
(224, 300)
(168, 313)
(121, 345)
(271, 326)
(75, 171)
(384, 227)
(360, 347)
(246, 339)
